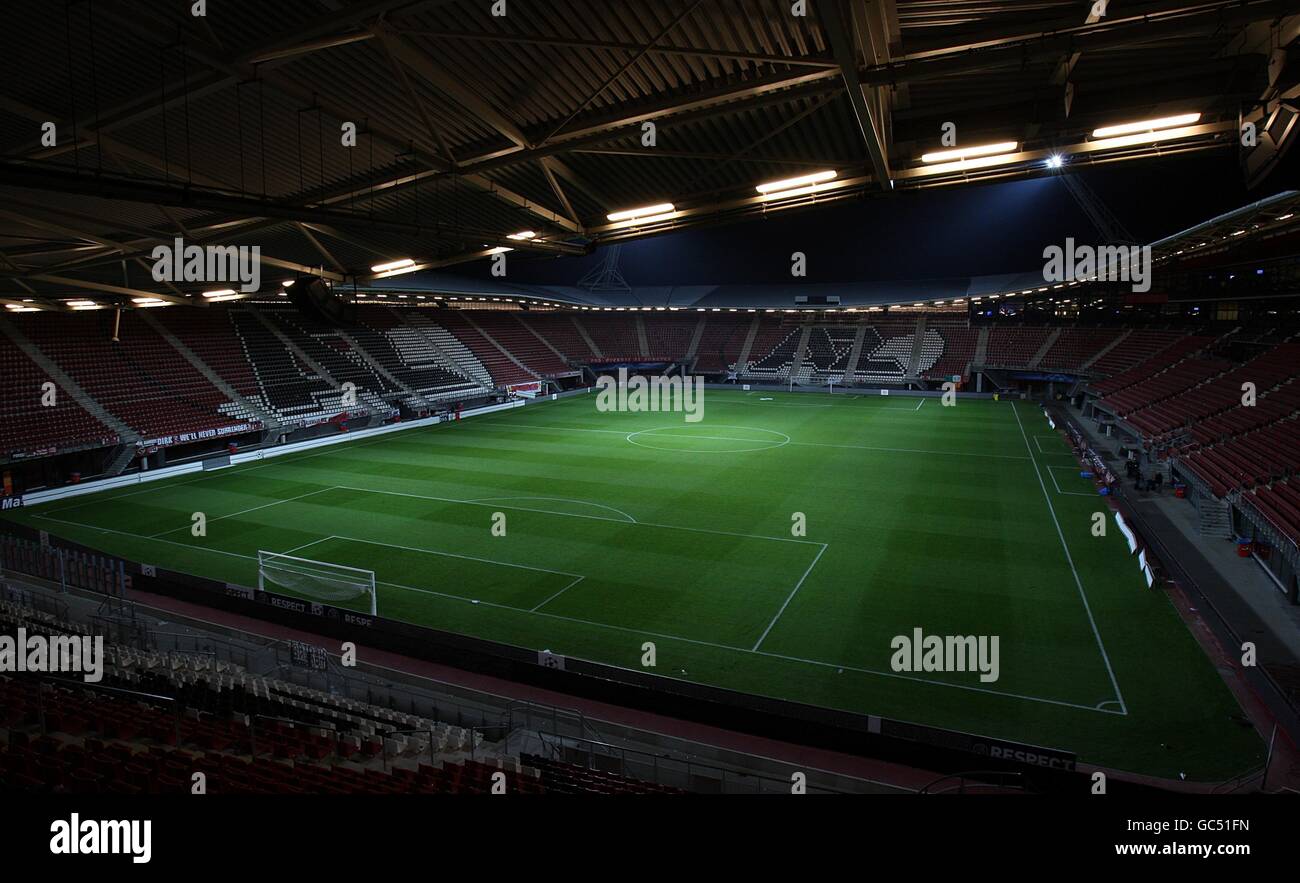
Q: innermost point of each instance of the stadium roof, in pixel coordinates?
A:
(226, 129)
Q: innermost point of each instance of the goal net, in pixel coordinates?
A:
(318, 580)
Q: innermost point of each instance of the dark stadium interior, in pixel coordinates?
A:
(401, 223)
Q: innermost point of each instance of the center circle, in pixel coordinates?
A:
(710, 440)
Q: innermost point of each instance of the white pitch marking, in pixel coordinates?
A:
(629, 518)
(304, 546)
(557, 594)
(799, 444)
(1038, 440)
(790, 597)
(451, 555)
(816, 662)
(1065, 493)
(659, 432)
(1119, 697)
(728, 533)
(246, 511)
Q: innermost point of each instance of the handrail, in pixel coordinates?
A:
(1252, 502)
(113, 691)
(671, 757)
(1227, 786)
(961, 778)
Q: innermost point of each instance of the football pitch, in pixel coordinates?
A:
(560, 527)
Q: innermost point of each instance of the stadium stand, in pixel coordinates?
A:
(329, 348)
(434, 335)
(276, 362)
(1217, 395)
(140, 378)
(522, 343)
(1257, 457)
(503, 369)
(773, 351)
(931, 351)
(668, 336)
(562, 332)
(1165, 385)
(615, 337)
(1015, 347)
(26, 425)
(722, 341)
(289, 388)
(159, 716)
(558, 777)
(828, 352)
(1151, 365)
(959, 343)
(1132, 349)
(1279, 504)
(211, 336)
(884, 359)
(1075, 347)
(408, 358)
(1272, 405)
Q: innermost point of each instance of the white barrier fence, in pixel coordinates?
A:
(166, 472)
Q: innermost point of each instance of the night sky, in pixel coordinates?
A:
(949, 231)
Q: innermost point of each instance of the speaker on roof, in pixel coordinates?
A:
(315, 298)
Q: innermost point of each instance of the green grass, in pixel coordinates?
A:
(626, 528)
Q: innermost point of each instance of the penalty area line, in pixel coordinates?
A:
(1078, 581)
(789, 597)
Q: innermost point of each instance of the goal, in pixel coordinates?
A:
(318, 580)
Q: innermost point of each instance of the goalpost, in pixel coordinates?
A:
(319, 580)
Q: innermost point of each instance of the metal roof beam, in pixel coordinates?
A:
(412, 96)
(119, 290)
(863, 99)
(545, 163)
(397, 141)
(448, 84)
(987, 54)
(561, 169)
(658, 153)
(316, 244)
(17, 173)
(611, 46)
(320, 33)
(875, 24)
(462, 258)
(384, 251)
(1108, 33)
(88, 139)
